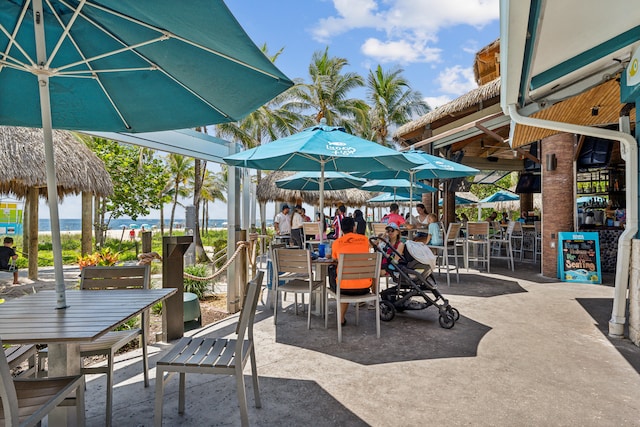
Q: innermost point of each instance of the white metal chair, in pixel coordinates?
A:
(538, 240)
(216, 356)
(115, 278)
(478, 240)
(503, 240)
(517, 239)
(293, 266)
(356, 266)
(26, 401)
(450, 242)
(311, 229)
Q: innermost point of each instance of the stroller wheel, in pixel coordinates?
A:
(454, 313)
(446, 321)
(387, 311)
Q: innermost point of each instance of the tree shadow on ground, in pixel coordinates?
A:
(600, 310)
(476, 285)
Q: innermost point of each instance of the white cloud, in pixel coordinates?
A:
(400, 51)
(457, 80)
(437, 101)
(406, 24)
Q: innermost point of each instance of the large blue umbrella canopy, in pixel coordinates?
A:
(427, 167)
(461, 201)
(398, 198)
(321, 148)
(398, 185)
(125, 66)
(310, 181)
(500, 196)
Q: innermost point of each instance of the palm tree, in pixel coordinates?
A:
(273, 120)
(327, 94)
(393, 102)
(213, 188)
(181, 170)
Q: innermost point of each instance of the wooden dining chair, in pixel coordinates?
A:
(18, 354)
(478, 240)
(216, 356)
(115, 278)
(378, 228)
(26, 401)
(356, 266)
(312, 233)
(294, 269)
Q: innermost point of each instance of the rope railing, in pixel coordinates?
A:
(242, 245)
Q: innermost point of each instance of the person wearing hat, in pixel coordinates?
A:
(282, 221)
(394, 241)
(297, 237)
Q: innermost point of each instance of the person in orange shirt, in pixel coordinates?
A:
(350, 243)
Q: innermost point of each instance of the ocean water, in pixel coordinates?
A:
(117, 224)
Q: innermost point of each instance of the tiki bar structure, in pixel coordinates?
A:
(474, 130)
(78, 171)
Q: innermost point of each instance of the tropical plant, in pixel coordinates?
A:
(180, 171)
(327, 93)
(196, 286)
(104, 258)
(393, 102)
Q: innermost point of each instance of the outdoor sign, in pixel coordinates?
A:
(10, 219)
(579, 257)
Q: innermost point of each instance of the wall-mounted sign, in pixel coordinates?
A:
(579, 257)
(633, 71)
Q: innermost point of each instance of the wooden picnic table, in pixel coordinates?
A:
(33, 319)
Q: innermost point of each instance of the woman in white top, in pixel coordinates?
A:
(421, 218)
(297, 220)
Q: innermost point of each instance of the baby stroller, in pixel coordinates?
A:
(414, 282)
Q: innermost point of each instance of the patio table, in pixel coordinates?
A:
(33, 319)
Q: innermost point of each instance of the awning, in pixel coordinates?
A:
(185, 141)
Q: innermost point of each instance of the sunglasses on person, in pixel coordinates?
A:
(391, 230)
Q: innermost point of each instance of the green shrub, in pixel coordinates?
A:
(197, 287)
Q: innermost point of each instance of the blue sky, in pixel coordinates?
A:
(433, 41)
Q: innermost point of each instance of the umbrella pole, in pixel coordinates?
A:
(321, 202)
(52, 187)
(411, 199)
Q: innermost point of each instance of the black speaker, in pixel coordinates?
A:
(552, 162)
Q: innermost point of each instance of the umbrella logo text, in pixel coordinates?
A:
(340, 148)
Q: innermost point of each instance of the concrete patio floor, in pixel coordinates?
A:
(527, 351)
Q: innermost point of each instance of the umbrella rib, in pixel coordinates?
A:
(12, 40)
(65, 28)
(165, 35)
(175, 36)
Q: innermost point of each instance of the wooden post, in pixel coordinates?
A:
(173, 249)
(87, 223)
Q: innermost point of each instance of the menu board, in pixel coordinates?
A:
(579, 257)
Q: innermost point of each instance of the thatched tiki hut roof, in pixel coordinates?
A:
(267, 191)
(78, 169)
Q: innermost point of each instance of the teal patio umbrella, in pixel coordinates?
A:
(461, 201)
(498, 196)
(385, 198)
(321, 148)
(398, 185)
(125, 66)
(310, 181)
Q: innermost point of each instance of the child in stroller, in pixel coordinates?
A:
(414, 282)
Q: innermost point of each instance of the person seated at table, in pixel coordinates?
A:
(421, 218)
(394, 216)
(523, 217)
(350, 243)
(361, 224)
(305, 216)
(282, 221)
(434, 237)
(464, 219)
(8, 258)
(505, 218)
(394, 240)
(492, 217)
